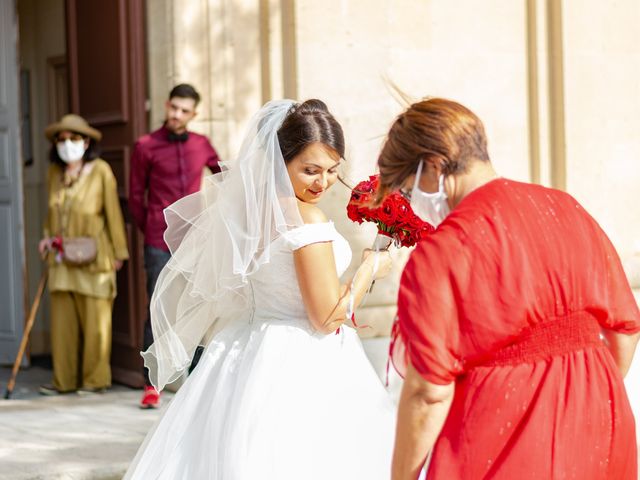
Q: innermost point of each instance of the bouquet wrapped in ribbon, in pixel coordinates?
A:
(395, 220)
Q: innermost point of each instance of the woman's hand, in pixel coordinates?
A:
(44, 246)
(118, 264)
(384, 262)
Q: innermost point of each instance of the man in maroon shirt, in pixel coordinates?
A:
(166, 165)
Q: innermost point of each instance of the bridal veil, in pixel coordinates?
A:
(219, 237)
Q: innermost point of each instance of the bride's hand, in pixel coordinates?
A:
(384, 262)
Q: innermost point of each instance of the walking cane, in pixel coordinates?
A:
(27, 331)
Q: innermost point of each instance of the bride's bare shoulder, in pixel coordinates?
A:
(311, 213)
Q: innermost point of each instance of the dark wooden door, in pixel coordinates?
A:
(107, 80)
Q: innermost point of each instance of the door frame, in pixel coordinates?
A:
(121, 124)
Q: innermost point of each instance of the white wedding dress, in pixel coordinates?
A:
(271, 398)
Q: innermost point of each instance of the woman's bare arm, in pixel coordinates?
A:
(422, 411)
(325, 300)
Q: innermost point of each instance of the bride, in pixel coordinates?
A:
(283, 390)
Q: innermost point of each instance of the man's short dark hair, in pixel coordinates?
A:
(184, 90)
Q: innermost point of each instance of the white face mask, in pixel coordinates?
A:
(430, 207)
(70, 151)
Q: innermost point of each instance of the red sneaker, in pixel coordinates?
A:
(150, 398)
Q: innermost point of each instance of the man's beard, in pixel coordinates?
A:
(175, 125)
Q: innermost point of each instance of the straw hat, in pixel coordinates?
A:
(72, 123)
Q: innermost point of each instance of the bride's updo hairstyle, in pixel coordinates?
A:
(433, 128)
(306, 123)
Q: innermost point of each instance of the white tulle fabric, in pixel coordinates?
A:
(219, 237)
(272, 399)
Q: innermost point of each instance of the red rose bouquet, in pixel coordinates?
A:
(395, 220)
(394, 217)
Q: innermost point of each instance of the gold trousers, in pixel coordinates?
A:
(80, 341)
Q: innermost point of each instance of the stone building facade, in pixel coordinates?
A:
(556, 83)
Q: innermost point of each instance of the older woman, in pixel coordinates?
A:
(85, 237)
(500, 316)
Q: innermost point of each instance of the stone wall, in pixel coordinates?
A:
(556, 84)
(230, 50)
(602, 104)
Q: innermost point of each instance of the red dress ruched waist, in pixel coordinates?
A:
(556, 336)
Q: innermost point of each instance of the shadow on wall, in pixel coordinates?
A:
(221, 53)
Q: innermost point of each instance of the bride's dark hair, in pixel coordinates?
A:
(306, 123)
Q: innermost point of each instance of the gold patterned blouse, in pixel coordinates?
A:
(87, 206)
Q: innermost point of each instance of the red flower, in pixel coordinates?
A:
(57, 245)
(388, 213)
(353, 213)
(415, 223)
(405, 214)
(394, 216)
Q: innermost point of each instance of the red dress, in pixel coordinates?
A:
(506, 299)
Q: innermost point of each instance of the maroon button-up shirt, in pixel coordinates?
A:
(166, 171)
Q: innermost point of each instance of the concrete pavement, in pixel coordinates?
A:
(68, 437)
(73, 437)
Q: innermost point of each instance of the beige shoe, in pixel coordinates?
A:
(49, 390)
(91, 390)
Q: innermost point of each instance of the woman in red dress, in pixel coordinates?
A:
(516, 324)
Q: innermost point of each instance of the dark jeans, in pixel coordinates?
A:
(154, 261)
